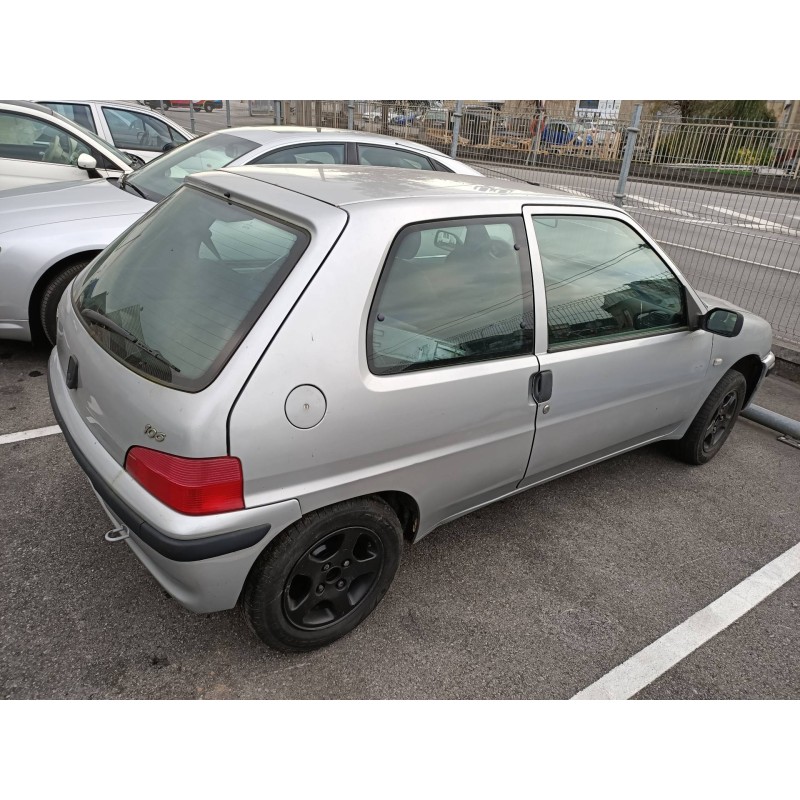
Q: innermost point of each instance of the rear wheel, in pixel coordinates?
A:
(52, 296)
(714, 421)
(323, 576)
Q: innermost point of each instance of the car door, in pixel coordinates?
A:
(33, 150)
(450, 349)
(620, 366)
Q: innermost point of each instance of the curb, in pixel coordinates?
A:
(787, 360)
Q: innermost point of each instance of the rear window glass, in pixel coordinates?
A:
(176, 294)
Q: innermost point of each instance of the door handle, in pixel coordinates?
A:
(542, 386)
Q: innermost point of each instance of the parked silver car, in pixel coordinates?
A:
(48, 234)
(279, 374)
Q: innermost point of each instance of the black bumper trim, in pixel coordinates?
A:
(167, 546)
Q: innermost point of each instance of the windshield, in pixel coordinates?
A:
(162, 176)
(174, 297)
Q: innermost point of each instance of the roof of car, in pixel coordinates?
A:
(27, 104)
(342, 185)
(267, 134)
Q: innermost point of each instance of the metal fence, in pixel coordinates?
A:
(721, 196)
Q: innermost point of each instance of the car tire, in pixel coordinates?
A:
(714, 421)
(52, 296)
(324, 575)
(208, 107)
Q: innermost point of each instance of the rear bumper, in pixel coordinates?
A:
(203, 572)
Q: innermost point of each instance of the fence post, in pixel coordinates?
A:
(276, 108)
(350, 113)
(655, 142)
(633, 130)
(191, 116)
(536, 140)
(227, 113)
(456, 128)
(724, 152)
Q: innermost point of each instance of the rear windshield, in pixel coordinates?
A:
(174, 296)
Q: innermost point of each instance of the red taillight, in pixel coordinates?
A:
(189, 485)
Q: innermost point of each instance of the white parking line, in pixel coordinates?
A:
(760, 223)
(642, 669)
(729, 256)
(34, 433)
(572, 191)
(659, 206)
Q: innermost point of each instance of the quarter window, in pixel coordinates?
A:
(452, 292)
(374, 156)
(305, 154)
(32, 139)
(79, 113)
(603, 282)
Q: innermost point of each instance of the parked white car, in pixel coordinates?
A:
(37, 145)
(134, 129)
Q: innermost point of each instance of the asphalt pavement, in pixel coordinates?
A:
(537, 596)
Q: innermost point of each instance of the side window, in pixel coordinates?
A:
(305, 154)
(451, 292)
(79, 113)
(32, 139)
(376, 156)
(603, 282)
(133, 131)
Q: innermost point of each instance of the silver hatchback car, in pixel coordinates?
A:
(278, 374)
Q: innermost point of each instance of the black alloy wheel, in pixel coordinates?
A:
(721, 422)
(332, 578)
(714, 421)
(324, 575)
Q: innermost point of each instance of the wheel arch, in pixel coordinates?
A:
(751, 367)
(407, 510)
(45, 278)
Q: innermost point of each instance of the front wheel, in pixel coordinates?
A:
(324, 575)
(714, 421)
(209, 107)
(52, 296)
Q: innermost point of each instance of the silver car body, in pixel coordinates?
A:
(18, 170)
(110, 118)
(442, 442)
(46, 225)
(42, 229)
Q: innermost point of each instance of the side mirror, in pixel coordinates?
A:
(445, 240)
(168, 146)
(87, 162)
(722, 322)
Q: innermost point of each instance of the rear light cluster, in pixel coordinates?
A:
(189, 485)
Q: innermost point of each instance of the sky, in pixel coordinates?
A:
(630, 50)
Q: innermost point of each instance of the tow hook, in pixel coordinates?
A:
(111, 536)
